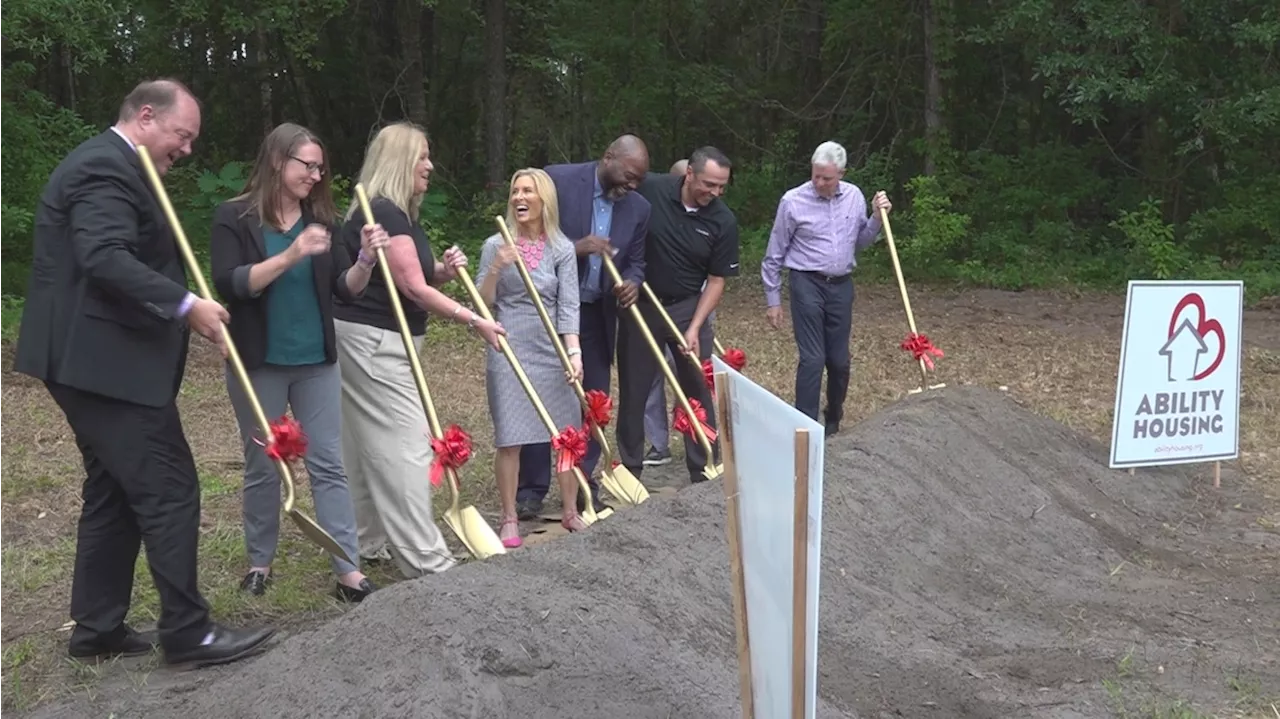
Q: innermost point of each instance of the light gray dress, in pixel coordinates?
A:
(515, 421)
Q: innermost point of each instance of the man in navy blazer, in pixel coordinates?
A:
(599, 211)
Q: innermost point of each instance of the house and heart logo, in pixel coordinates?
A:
(1191, 340)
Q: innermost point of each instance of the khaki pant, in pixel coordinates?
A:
(386, 449)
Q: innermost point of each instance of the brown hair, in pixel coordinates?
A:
(264, 186)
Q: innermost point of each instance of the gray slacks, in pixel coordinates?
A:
(313, 393)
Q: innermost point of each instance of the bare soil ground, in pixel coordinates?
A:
(980, 560)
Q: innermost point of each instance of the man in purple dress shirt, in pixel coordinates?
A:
(818, 230)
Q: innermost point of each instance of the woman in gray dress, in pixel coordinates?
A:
(534, 217)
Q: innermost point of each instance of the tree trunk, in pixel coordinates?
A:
(495, 106)
(260, 64)
(409, 24)
(932, 88)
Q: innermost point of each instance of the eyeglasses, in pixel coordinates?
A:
(311, 166)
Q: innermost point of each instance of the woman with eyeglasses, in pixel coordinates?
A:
(275, 264)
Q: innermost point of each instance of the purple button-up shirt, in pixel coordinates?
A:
(816, 234)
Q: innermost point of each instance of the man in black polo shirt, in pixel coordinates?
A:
(692, 240)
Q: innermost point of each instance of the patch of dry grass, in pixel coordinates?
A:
(1057, 353)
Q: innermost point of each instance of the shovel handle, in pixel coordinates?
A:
(902, 285)
(662, 365)
(415, 363)
(193, 268)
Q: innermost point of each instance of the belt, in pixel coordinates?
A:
(823, 277)
(671, 299)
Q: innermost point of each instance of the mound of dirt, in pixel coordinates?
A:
(979, 561)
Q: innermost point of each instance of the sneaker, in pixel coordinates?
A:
(529, 509)
(656, 458)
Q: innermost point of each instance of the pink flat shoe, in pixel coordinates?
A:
(509, 532)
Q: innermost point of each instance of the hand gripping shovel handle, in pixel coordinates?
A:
(419, 379)
(902, 287)
(589, 516)
(312, 530)
(671, 325)
(636, 490)
(666, 369)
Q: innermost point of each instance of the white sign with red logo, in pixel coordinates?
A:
(1178, 391)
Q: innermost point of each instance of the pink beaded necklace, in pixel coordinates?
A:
(531, 250)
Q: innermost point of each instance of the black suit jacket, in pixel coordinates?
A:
(575, 189)
(106, 281)
(236, 244)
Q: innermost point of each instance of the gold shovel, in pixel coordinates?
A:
(620, 482)
(589, 516)
(476, 534)
(309, 527)
(906, 302)
(712, 470)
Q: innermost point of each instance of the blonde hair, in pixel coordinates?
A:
(388, 169)
(545, 187)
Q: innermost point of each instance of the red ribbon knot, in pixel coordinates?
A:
(735, 358)
(570, 446)
(921, 349)
(451, 452)
(288, 441)
(680, 420)
(599, 410)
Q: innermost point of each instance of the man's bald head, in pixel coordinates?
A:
(625, 163)
(679, 168)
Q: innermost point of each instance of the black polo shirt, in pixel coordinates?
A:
(684, 246)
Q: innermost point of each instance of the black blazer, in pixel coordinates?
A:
(235, 244)
(106, 281)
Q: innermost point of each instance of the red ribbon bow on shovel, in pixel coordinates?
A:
(571, 447)
(288, 441)
(708, 375)
(599, 409)
(680, 420)
(735, 358)
(452, 451)
(921, 348)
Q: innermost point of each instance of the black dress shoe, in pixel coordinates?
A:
(255, 583)
(352, 594)
(528, 509)
(127, 643)
(228, 645)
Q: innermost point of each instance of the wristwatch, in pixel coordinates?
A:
(574, 351)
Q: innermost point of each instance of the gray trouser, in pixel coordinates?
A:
(313, 392)
(657, 425)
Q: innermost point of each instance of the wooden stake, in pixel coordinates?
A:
(724, 421)
(1217, 474)
(800, 578)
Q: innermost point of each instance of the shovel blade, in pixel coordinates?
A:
(713, 471)
(624, 486)
(476, 534)
(316, 533)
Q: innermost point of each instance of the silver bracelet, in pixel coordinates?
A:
(574, 351)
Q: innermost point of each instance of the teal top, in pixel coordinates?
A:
(295, 327)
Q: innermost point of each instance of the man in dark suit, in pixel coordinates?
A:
(601, 212)
(106, 327)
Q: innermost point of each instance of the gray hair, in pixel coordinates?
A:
(830, 153)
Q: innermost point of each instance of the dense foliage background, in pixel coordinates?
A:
(1025, 142)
